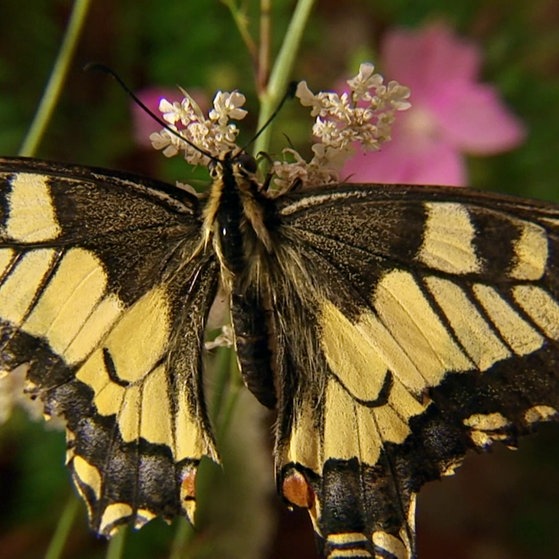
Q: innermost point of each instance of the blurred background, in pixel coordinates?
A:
(502, 506)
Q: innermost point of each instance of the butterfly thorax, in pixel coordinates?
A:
(239, 214)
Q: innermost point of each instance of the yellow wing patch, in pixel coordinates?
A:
(416, 330)
(19, 288)
(124, 374)
(349, 428)
(361, 355)
(113, 515)
(540, 413)
(518, 334)
(486, 428)
(448, 239)
(352, 429)
(540, 306)
(88, 475)
(390, 544)
(6, 258)
(341, 338)
(531, 252)
(475, 334)
(305, 444)
(140, 337)
(71, 312)
(97, 324)
(32, 217)
(69, 298)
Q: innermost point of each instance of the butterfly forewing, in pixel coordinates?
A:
(102, 296)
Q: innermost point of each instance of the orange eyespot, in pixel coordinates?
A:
(296, 489)
(188, 484)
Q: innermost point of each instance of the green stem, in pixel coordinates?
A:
(228, 406)
(115, 548)
(227, 387)
(281, 72)
(183, 534)
(263, 64)
(224, 359)
(56, 80)
(240, 19)
(56, 545)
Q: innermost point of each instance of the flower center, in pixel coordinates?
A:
(420, 122)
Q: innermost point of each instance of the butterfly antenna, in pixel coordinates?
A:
(95, 66)
(289, 94)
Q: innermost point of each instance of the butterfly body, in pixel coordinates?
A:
(240, 220)
(391, 327)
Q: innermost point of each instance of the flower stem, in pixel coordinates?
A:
(229, 404)
(263, 66)
(240, 18)
(183, 535)
(56, 545)
(115, 548)
(58, 75)
(277, 85)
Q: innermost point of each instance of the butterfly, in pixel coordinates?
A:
(391, 327)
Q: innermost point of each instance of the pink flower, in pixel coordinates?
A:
(451, 114)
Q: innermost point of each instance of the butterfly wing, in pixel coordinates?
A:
(104, 298)
(412, 324)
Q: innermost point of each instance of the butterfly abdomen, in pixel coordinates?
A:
(252, 347)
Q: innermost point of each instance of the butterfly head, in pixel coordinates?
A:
(235, 163)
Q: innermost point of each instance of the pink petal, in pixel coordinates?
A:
(400, 161)
(473, 119)
(424, 59)
(451, 112)
(143, 123)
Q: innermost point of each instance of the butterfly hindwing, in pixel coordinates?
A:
(432, 328)
(104, 299)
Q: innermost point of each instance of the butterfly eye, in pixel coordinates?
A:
(213, 168)
(245, 163)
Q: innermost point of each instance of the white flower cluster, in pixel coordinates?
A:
(364, 115)
(361, 116)
(12, 394)
(213, 134)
